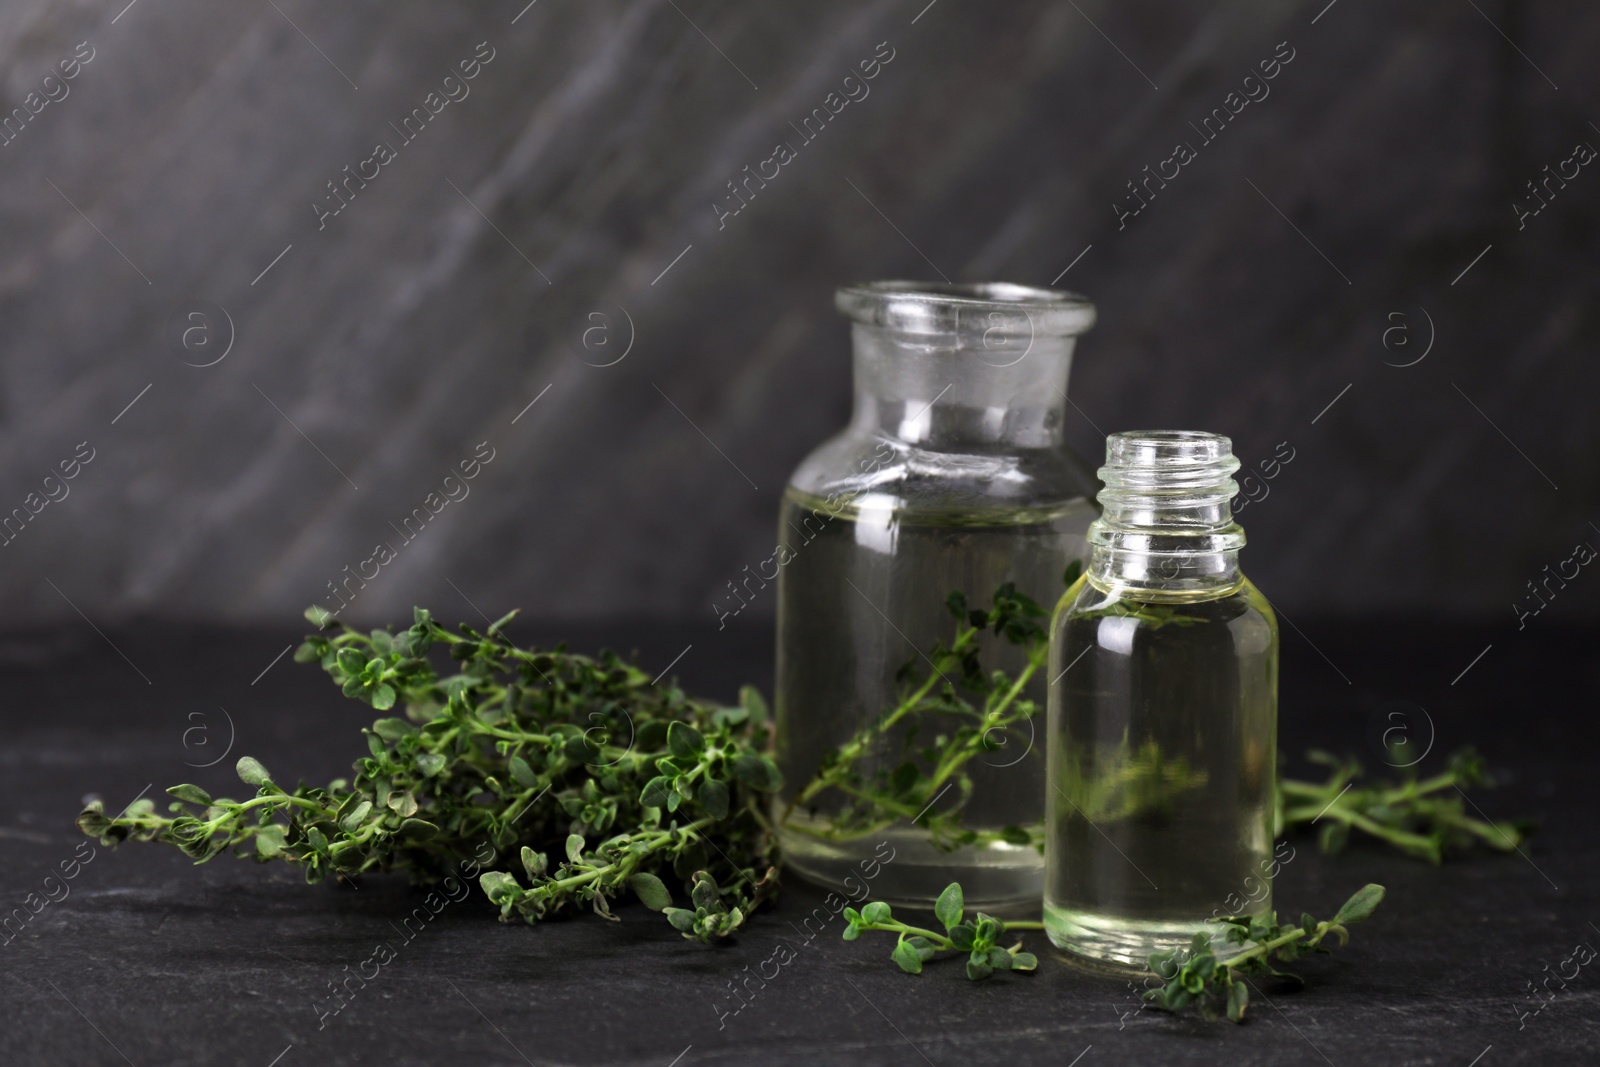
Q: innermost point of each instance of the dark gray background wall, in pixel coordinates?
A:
(1373, 190)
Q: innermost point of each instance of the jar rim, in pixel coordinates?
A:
(937, 307)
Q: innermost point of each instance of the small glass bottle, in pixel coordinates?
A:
(1163, 712)
(952, 476)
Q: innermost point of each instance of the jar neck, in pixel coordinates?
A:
(1166, 530)
(975, 367)
(937, 392)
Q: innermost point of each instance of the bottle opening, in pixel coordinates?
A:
(949, 307)
(1166, 447)
(1168, 461)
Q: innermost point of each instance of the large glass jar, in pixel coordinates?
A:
(951, 477)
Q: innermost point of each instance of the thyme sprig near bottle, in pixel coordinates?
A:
(1163, 707)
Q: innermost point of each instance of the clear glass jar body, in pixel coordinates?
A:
(952, 476)
(1162, 736)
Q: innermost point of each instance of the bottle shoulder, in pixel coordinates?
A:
(851, 464)
(1241, 607)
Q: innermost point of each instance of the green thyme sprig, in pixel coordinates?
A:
(1193, 978)
(978, 937)
(1153, 615)
(966, 710)
(1128, 782)
(1424, 817)
(519, 754)
(1197, 978)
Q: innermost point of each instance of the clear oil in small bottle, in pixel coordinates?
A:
(1162, 712)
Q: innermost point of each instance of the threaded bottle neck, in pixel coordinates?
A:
(1166, 531)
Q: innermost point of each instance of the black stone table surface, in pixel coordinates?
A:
(149, 960)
